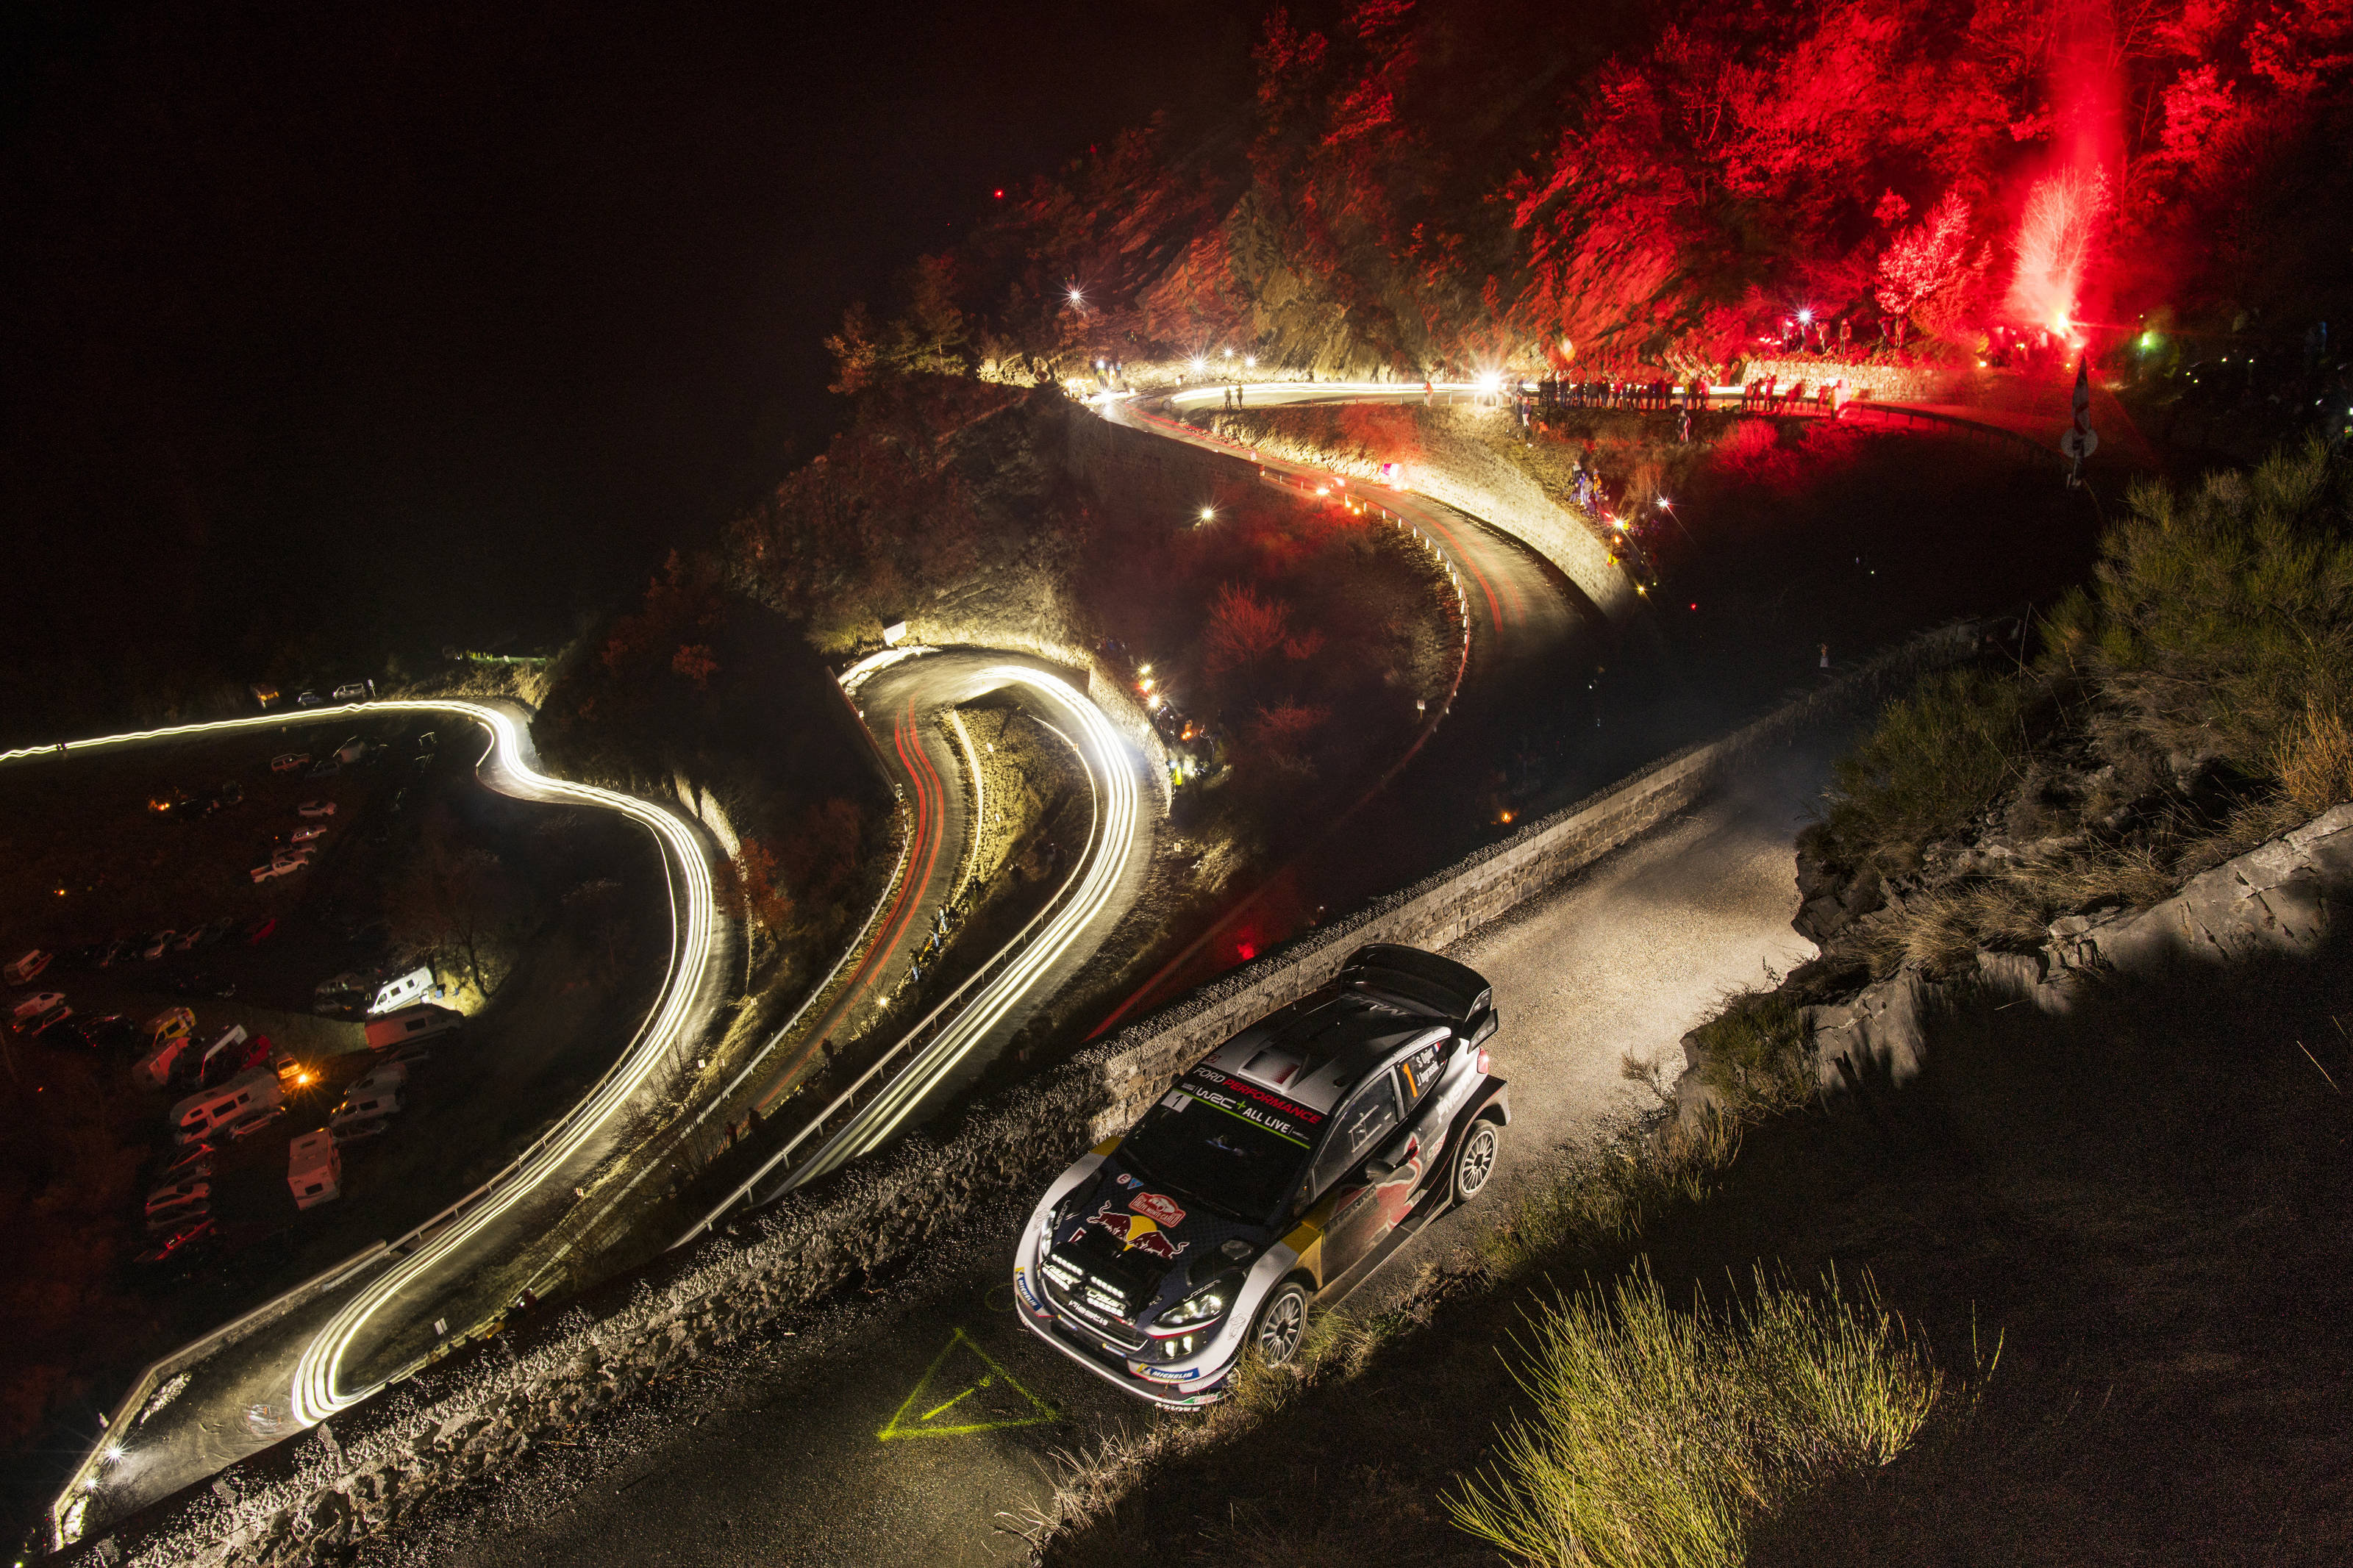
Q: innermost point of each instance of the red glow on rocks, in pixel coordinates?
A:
(1246, 951)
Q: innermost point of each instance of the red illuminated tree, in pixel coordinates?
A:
(1929, 262)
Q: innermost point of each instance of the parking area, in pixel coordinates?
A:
(175, 984)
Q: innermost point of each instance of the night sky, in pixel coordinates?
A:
(412, 323)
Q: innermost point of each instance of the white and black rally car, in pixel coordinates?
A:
(1264, 1174)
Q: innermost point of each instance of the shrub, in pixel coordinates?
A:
(2225, 613)
(1934, 759)
(1658, 1436)
(1754, 1051)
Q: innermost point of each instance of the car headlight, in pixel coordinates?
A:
(1199, 1307)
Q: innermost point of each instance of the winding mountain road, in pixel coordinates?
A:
(454, 1267)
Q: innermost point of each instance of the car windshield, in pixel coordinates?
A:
(1225, 1141)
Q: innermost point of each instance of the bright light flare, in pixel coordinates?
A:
(1208, 514)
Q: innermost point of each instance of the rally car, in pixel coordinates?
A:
(1264, 1174)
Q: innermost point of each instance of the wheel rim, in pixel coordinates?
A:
(1278, 1336)
(1478, 1159)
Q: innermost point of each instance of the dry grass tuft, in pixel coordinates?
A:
(1658, 1436)
(2313, 759)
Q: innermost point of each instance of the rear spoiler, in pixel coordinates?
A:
(1422, 980)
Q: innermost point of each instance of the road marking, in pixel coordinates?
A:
(1027, 1411)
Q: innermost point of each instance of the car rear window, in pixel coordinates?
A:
(1227, 1141)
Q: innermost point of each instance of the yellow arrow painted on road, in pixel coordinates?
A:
(1003, 1402)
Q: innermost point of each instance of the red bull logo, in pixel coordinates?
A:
(1139, 1233)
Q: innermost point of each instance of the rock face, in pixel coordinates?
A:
(2281, 897)
(1830, 898)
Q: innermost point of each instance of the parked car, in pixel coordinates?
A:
(315, 808)
(180, 1243)
(352, 752)
(120, 949)
(1269, 1170)
(192, 1164)
(178, 1215)
(353, 691)
(354, 1132)
(309, 699)
(186, 941)
(324, 768)
(55, 1027)
(370, 1105)
(31, 1007)
(108, 1032)
(205, 983)
(273, 870)
(172, 1194)
(308, 835)
(157, 943)
(171, 1023)
(251, 1122)
(24, 970)
(291, 762)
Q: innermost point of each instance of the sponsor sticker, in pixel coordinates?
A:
(1155, 1207)
(1284, 1117)
(1139, 1233)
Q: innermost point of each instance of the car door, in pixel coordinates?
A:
(1363, 1205)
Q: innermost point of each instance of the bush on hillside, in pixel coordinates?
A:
(2222, 625)
(1934, 760)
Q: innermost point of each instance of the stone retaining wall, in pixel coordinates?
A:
(1884, 382)
(377, 1463)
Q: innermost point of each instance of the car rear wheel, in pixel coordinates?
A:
(1474, 1161)
(1281, 1324)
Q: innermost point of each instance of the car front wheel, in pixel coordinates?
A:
(1281, 1324)
(1474, 1161)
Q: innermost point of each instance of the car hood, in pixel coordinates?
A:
(1154, 1245)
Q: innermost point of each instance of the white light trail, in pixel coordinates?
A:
(1118, 802)
(508, 767)
(316, 1393)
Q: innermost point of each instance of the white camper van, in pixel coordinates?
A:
(255, 1089)
(416, 1023)
(393, 995)
(314, 1168)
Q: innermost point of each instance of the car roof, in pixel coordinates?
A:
(1319, 1048)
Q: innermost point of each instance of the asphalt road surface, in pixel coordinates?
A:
(916, 1425)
